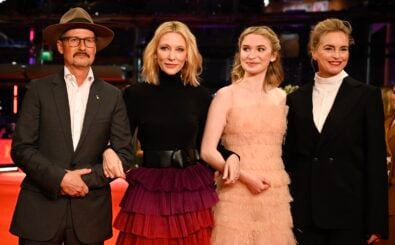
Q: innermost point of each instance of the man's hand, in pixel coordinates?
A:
(112, 165)
(72, 183)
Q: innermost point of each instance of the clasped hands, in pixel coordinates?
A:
(72, 184)
(232, 173)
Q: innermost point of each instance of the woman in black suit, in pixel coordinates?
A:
(335, 149)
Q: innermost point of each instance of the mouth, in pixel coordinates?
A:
(252, 63)
(335, 63)
(171, 65)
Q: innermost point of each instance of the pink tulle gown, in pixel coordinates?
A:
(255, 131)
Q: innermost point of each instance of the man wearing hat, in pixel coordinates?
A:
(65, 123)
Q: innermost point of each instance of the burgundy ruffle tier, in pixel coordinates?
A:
(167, 206)
(201, 237)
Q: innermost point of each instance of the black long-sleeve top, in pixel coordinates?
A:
(168, 116)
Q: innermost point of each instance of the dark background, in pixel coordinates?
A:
(216, 25)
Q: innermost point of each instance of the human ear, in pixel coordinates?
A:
(59, 46)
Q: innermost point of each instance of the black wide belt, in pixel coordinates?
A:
(181, 158)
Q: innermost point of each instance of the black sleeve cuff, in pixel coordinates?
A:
(226, 153)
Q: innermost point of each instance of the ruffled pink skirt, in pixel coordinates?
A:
(167, 206)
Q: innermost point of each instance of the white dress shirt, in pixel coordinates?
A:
(324, 93)
(78, 99)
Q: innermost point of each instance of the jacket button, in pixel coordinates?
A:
(331, 159)
(315, 159)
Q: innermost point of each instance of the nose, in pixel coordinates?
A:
(251, 54)
(336, 54)
(172, 55)
(82, 45)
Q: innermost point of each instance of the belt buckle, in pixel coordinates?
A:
(178, 157)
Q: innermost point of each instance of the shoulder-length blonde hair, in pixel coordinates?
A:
(386, 93)
(275, 74)
(326, 26)
(193, 65)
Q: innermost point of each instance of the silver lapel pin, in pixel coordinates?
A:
(97, 97)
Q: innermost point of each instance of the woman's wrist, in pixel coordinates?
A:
(235, 154)
(243, 176)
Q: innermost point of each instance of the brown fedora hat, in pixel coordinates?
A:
(78, 18)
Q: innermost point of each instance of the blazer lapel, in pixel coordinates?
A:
(342, 106)
(92, 109)
(62, 104)
(306, 102)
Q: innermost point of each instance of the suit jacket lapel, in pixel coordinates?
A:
(306, 102)
(344, 102)
(62, 104)
(92, 108)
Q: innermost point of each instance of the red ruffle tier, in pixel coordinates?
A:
(167, 206)
(202, 237)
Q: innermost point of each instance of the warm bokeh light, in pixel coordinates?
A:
(15, 99)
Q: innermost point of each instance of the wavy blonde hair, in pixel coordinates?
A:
(275, 74)
(386, 93)
(193, 65)
(326, 26)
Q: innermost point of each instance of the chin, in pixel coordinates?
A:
(82, 65)
(171, 72)
(330, 73)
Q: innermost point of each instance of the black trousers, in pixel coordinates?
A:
(313, 235)
(65, 234)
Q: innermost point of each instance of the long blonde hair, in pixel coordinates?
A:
(193, 65)
(275, 74)
(386, 93)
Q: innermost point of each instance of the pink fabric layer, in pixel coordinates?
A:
(159, 226)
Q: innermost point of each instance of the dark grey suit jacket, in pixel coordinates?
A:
(338, 176)
(42, 147)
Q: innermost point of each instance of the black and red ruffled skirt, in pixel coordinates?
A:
(165, 206)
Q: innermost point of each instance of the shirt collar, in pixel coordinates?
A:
(329, 83)
(69, 77)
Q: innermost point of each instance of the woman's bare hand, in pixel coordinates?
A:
(256, 184)
(112, 165)
(231, 170)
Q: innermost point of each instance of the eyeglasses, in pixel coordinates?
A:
(89, 42)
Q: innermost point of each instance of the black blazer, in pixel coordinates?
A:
(338, 176)
(42, 147)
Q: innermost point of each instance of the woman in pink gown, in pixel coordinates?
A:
(249, 116)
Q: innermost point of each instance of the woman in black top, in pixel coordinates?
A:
(170, 196)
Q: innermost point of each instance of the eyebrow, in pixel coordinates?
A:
(331, 45)
(166, 44)
(258, 46)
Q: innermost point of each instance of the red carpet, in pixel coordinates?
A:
(9, 189)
